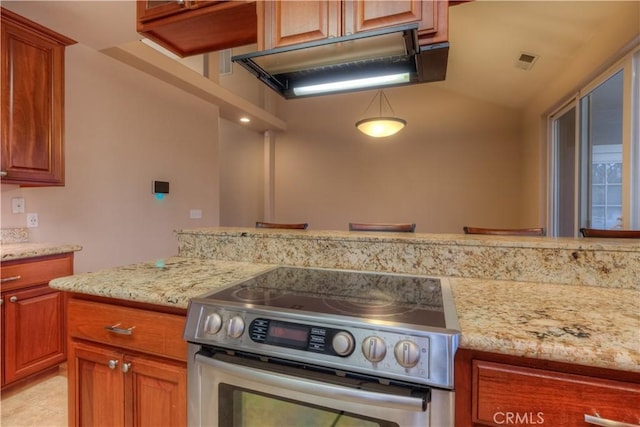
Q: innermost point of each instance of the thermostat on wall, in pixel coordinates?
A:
(160, 187)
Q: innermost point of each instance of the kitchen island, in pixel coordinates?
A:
(586, 325)
(568, 305)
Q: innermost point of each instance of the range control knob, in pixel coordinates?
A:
(212, 324)
(407, 353)
(374, 348)
(343, 343)
(235, 326)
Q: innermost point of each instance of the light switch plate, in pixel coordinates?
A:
(17, 205)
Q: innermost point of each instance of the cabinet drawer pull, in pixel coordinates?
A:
(597, 421)
(121, 331)
(10, 279)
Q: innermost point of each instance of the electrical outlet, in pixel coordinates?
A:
(32, 220)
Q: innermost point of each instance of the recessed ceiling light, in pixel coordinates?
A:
(245, 119)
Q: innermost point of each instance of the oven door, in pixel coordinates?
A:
(230, 391)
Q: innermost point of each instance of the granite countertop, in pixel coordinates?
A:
(622, 245)
(13, 251)
(576, 324)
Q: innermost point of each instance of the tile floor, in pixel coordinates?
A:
(42, 403)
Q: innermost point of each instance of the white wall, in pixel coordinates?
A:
(241, 176)
(123, 130)
(456, 163)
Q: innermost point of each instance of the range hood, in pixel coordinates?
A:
(373, 59)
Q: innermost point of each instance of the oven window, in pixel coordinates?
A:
(239, 407)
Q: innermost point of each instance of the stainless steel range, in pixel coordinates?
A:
(301, 346)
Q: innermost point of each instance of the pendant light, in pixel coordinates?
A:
(380, 126)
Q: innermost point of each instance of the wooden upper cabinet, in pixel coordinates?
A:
(291, 22)
(193, 27)
(32, 129)
(152, 9)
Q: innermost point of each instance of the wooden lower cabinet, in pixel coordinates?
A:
(33, 321)
(498, 390)
(124, 385)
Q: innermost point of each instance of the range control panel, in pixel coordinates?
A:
(394, 353)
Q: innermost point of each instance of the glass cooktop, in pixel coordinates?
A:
(379, 296)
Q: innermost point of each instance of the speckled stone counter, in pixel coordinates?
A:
(170, 282)
(14, 251)
(576, 324)
(613, 263)
(583, 325)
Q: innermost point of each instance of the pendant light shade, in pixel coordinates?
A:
(380, 126)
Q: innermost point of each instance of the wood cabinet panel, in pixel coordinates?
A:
(34, 334)
(553, 398)
(151, 332)
(158, 392)
(97, 389)
(292, 22)
(153, 9)
(495, 390)
(111, 384)
(18, 274)
(32, 103)
(203, 26)
(33, 317)
(370, 15)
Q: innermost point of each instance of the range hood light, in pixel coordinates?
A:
(377, 81)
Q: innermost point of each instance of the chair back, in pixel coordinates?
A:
(406, 228)
(505, 231)
(615, 234)
(298, 226)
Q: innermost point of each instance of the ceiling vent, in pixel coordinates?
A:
(526, 61)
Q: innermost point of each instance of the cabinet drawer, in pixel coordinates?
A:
(41, 271)
(134, 329)
(507, 394)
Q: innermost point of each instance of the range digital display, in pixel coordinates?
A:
(288, 334)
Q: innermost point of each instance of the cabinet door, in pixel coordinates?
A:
(503, 393)
(34, 331)
(155, 391)
(152, 9)
(291, 22)
(96, 386)
(361, 15)
(32, 103)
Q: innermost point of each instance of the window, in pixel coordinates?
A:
(595, 160)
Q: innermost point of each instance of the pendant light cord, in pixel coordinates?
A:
(382, 95)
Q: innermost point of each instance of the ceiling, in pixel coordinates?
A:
(486, 38)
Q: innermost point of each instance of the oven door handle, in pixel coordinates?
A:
(317, 388)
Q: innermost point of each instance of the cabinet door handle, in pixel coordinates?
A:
(1, 301)
(3, 173)
(125, 367)
(113, 363)
(121, 331)
(10, 279)
(13, 299)
(598, 421)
